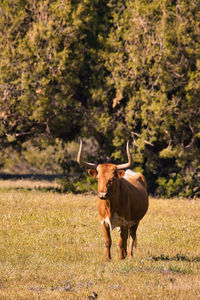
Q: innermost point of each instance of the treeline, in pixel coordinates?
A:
(109, 71)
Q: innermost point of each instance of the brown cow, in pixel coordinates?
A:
(122, 201)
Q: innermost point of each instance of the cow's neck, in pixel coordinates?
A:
(104, 208)
(108, 207)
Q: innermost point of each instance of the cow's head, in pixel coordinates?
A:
(106, 174)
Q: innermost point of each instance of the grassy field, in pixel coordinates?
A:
(52, 247)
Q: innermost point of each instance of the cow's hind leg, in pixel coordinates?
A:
(123, 242)
(108, 241)
(133, 240)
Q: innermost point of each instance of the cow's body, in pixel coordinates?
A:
(128, 203)
(122, 202)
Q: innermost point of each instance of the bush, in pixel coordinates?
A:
(178, 185)
(79, 184)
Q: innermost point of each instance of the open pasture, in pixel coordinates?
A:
(52, 247)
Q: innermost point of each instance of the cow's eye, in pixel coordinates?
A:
(110, 181)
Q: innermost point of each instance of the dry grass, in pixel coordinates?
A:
(52, 247)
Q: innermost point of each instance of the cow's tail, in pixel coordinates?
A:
(143, 181)
(135, 242)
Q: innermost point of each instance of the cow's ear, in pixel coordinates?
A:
(92, 173)
(120, 173)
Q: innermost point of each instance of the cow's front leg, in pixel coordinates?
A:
(123, 242)
(108, 241)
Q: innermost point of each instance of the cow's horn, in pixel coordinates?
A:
(84, 163)
(129, 163)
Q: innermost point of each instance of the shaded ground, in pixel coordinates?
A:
(47, 177)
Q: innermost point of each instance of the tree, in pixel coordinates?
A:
(48, 61)
(107, 70)
(153, 59)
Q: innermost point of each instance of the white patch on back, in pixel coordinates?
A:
(129, 174)
(117, 221)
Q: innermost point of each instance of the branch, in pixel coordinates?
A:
(146, 142)
(192, 140)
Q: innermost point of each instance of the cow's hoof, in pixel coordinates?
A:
(108, 259)
(121, 257)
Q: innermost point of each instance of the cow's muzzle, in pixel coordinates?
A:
(103, 196)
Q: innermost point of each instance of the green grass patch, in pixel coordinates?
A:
(52, 247)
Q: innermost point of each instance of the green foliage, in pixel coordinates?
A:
(170, 187)
(152, 58)
(78, 184)
(46, 66)
(110, 71)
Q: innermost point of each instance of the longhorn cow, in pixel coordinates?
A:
(122, 200)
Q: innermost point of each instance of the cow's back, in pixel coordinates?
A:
(133, 178)
(134, 193)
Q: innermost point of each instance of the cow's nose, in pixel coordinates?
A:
(102, 195)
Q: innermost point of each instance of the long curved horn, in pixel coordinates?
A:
(130, 161)
(84, 163)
